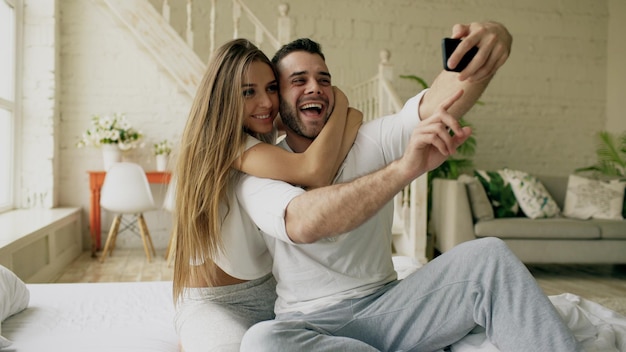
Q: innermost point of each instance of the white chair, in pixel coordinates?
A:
(126, 191)
(168, 204)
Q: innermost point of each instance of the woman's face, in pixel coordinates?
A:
(260, 92)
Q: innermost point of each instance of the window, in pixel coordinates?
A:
(10, 35)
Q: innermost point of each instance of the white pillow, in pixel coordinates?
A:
(531, 195)
(586, 198)
(14, 297)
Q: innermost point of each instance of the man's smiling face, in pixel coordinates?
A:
(306, 93)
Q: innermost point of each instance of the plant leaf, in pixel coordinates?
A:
(611, 154)
(417, 79)
(608, 150)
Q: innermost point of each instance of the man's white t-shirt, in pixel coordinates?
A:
(351, 265)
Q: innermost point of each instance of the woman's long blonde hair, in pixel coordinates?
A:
(213, 138)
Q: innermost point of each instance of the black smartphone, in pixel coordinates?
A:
(447, 48)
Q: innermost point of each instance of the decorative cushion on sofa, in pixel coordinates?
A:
(479, 202)
(586, 198)
(531, 195)
(499, 192)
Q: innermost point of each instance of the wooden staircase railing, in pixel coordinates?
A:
(240, 9)
(260, 31)
(175, 54)
(376, 97)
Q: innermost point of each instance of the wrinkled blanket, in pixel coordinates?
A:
(595, 326)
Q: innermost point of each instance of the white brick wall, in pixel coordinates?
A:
(39, 106)
(540, 112)
(616, 118)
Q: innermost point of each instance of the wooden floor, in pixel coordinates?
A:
(604, 284)
(125, 265)
(583, 280)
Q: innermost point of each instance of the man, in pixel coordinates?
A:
(337, 289)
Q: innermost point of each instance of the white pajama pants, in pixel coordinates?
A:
(215, 318)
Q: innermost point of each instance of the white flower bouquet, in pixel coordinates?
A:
(111, 130)
(164, 147)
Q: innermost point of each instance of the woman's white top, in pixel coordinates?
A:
(245, 255)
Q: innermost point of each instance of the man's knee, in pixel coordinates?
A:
(495, 244)
(487, 245)
(488, 248)
(494, 250)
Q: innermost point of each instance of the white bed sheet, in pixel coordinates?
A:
(138, 316)
(133, 316)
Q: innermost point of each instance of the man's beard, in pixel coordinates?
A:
(289, 117)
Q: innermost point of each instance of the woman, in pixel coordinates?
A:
(222, 274)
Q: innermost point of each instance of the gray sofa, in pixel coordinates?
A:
(554, 240)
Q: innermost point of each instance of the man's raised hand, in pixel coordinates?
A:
(431, 142)
(494, 46)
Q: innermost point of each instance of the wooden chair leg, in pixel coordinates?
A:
(116, 231)
(169, 245)
(111, 238)
(145, 226)
(167, 249)
(145, 236)
(171, 249)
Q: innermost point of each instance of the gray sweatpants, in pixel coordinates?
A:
(216, 318)
(478, 283)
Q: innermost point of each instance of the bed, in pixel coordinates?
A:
(138, 316)
(112, 317)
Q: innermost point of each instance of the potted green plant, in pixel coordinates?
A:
(611, 154)
(611, 159)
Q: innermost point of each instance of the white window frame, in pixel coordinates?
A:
(15, 107)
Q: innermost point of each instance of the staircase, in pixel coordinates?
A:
(375, 97)
(174, 54)
(157, 37)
